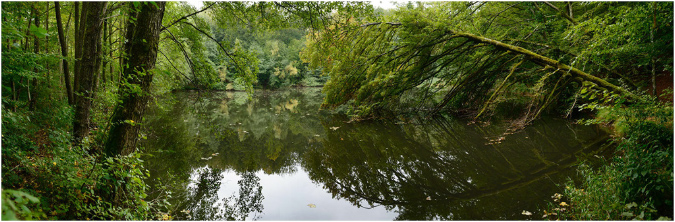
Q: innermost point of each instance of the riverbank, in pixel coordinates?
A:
(638, 182)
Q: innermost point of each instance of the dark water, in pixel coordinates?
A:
(279, 157)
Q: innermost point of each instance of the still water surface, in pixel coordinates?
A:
(278, 157)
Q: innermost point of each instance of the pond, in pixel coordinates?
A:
(278, 157)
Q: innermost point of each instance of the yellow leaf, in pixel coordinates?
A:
(311, 205)
(54, 163)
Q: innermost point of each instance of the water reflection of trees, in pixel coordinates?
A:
(398, 166)
(209, 133)
(444, 169)
(202, 202)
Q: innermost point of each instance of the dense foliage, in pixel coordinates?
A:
(264, 48)
(484, 55)
(638, 183)
(78, 76)
(523, 59)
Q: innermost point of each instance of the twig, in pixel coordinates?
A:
(185, 17)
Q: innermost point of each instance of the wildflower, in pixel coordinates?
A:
(563, 204)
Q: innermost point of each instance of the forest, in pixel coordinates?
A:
(373, 104)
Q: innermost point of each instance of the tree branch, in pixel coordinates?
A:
(377, 23)
(185, 17)
(562, 13)
(169, 60)
(185, 54)
(539, 59)
(220, 45)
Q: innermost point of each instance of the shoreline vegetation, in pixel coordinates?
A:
(77, 78)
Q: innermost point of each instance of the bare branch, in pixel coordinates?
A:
(183, 74)
(220, 45)
(377, 23)
(185, 17)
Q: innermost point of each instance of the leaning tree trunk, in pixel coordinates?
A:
(143, 37)
(88, 67)
(64, 53)
(545, 61)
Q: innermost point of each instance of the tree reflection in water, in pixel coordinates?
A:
(438, 169)
(202, 202)
(445, 170)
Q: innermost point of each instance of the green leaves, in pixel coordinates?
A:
(38, 31)
(15, 205)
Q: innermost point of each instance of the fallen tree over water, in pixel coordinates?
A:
(437, 56)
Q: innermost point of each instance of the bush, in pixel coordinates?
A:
(638, 184)
(45, 177)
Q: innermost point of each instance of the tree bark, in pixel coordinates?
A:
(142, 54)
(64, 53)
(77, 53)
(651, 34)
(36, 50)
(106, 36)
(110, 52)
(90, 64)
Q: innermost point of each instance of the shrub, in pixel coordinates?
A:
(638, 184)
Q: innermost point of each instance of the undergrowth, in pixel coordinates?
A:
(637, 184)
(45, 177)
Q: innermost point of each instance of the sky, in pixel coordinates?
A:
(381, 4)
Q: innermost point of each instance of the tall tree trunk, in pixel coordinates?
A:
(36, 50)
(76, 48)
(64, 52)
(46, 48)
(651, 33)
(142, 48)
(99, 58)
(110, 51)
(92, 20)
(106, 37)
